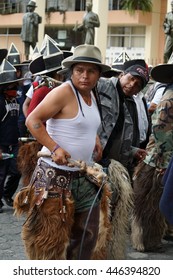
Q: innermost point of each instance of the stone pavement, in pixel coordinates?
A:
(11, 247)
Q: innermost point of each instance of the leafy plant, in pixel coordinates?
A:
(133, 5)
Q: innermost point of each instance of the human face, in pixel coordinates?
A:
(85, 76)
(130, 85)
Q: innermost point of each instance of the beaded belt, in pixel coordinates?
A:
(51, 182)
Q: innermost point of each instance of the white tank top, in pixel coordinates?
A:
(77, 135)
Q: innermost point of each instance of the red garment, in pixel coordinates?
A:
(38, 95)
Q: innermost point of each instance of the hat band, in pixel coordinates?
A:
(88, 59)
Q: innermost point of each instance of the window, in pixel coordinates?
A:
(80, 5)
(11, 31)
(115, 5)
(129, 37)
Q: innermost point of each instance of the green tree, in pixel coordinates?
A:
(133, 5)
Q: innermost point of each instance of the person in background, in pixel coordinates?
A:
(144, 123)
(157, 94)
(165, 204)
(9, 133)
(120, 137)
(21, 67)
(148, 224)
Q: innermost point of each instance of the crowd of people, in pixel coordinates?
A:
(82, 112)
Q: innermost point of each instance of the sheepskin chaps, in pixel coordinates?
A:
(122, 205)
(148, 224)
(41, 234)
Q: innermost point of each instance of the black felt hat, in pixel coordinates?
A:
(8, 73)
(13, 57)
(50, 58)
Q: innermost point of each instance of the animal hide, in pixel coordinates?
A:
(40, 231)
(148, 224)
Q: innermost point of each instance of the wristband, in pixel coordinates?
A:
(56, 148)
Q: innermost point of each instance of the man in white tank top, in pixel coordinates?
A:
(72, 120)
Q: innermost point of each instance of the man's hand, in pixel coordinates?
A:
(60, 156)
(140, 154)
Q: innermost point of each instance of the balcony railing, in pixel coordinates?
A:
(9, 8)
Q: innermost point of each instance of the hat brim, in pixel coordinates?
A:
(62, 71)
(163, 73)
(13, 81)
(68, 62)
(112, 72)
(37, 67)
(48, 71)
(20, 64)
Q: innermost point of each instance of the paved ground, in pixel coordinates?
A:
(11, 247)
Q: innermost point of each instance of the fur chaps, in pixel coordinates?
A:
(148, 224)
(122, 204)
(40, 232)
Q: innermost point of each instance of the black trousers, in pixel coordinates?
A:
(9, 173)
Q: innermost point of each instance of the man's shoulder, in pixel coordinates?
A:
(108, 81)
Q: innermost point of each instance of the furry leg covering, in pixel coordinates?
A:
(45, 234)
(148, 224)
(114, 218)
(113, 237)
(122, 207)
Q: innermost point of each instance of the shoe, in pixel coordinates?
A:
(1, 210)
(8, 201)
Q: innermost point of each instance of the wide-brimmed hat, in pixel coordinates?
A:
(3, 54)
(86, 53)
(13, 57)
(163, 73)
(50, 59)
(8, 73)
(31, 4)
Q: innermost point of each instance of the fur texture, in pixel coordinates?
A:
(148, 224)
(27, 159)
(122, 210)
(40, 232)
